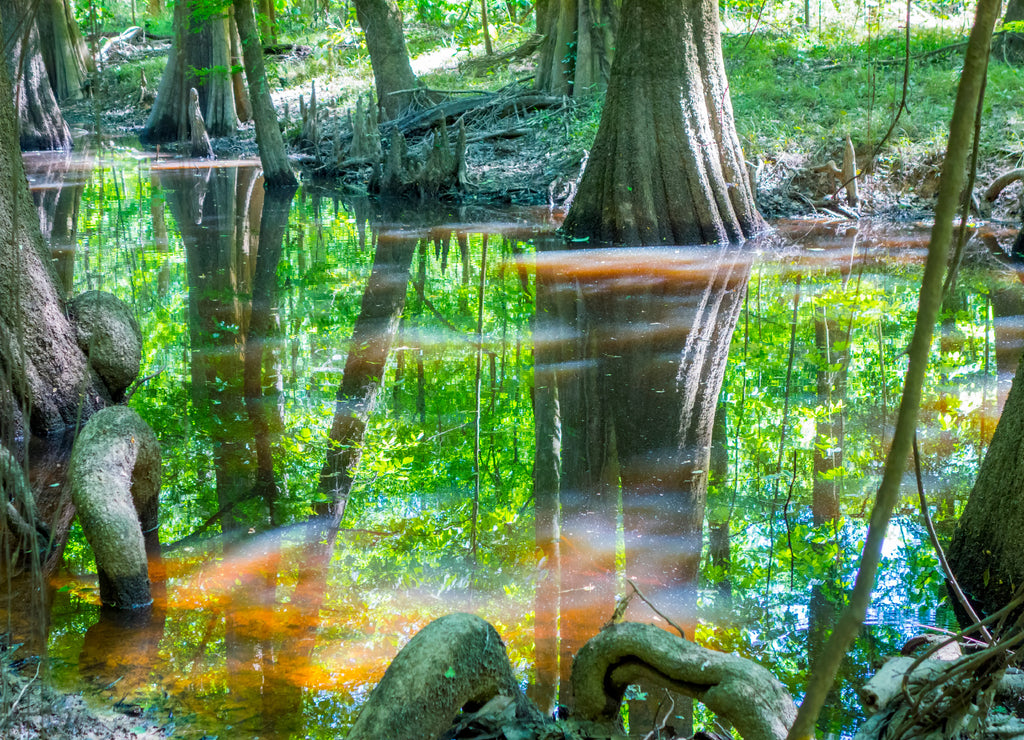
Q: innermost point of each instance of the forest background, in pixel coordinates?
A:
(797, 94)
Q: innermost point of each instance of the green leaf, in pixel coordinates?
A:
(450, 673)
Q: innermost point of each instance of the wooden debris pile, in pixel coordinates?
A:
(416, 154)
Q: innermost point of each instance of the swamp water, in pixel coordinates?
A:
(539, 429)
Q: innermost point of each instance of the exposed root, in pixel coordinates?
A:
(454, 662)
(735, 688)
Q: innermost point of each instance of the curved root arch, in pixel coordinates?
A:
(115, 486)
(735, 688)
(455, 661)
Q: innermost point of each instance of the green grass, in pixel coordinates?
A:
(792, 96)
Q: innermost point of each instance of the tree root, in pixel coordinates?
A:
(115, 485)
(17, 506)
(454, 662)
(735, 688)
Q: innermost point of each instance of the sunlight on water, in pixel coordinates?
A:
(700, 429)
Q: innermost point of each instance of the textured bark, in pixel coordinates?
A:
(276, 171)
(115, 486)
(1013, 43)
(200, 58)
(45, 379)
(243, 106)
(986, 553)
(454, 662)
(735, 688)
(268, 21)
(576, 55)
(110, 337)
(199, 140)
(67, 58)
(666, 166)
(381, 21)
(41, 124)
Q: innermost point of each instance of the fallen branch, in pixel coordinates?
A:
(479, 65)
(1001, 183)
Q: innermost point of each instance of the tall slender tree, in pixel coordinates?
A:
(666, 166)
(579, 37)
(277, 173)
(381, 21)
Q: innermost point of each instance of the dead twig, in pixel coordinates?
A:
(655, 609)
(939, 553)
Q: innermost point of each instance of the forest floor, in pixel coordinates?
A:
(535, 157)
(31, 709)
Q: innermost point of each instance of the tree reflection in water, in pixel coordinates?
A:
(630, 349)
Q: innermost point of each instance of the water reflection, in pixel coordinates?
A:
(604, 407)
(630, 353)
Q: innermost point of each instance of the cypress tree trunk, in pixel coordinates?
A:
(67, 59)
(41, 124)
(200, 58)
(986, 554)
(268, 21)
(1013, 43)
(276, 171)
(579, 37)
(243, 108)
(666, 167)
(45, 379)
(381, 21)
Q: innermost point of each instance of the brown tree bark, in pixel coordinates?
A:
(200, 58)
(41, 124)
(276, 171)
(579, 36)
(986, 554)
(67, 58)
(268, 21)
(45, 379)
(666, 166)
(381, 21)
(243, 106)
(1013, 42)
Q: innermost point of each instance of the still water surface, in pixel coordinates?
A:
(527, 429)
